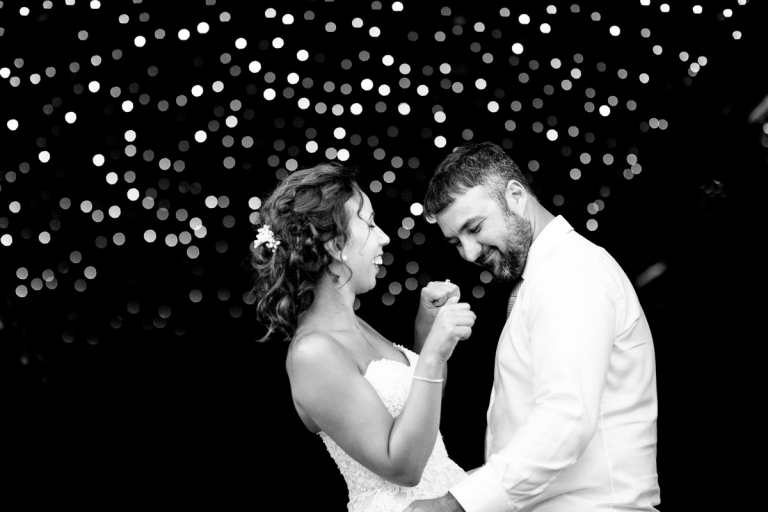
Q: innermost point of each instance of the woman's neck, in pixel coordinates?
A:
(333, 304)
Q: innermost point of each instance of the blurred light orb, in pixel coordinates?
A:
(605, 110)
(339, 133)
(397, 6)
(203, 27)
(293, 78)
(517, 48)
(278, 42)
(270, 13)
(356, 109)
(95, 4)
(343, 155)
(269, 94)
(303, 103)
(440, 116)
(241, 43)
(367, 84)
(440, 141)
(388, 60)
(201, 136)
(357, 23)
(417, 209)
(615, 31)
(127, 106)
(255, 66)
(287, 19)
(545, 28)
(480, 83)
(445, 68)
(493, 106)
(70, 117)
(422, 90)
(404, 108)
(184, 34)
(374, 32)
(133, 194)
(44, 156)
(98, 160)
(94, 86)
(197, 91)
(130, 136)
(737, 35)
(552, 135)
(384, 90)
(524, 19)
(311, 146)
(302, 55)
(13, 125)
(644, 78)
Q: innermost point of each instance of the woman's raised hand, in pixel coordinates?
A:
(453, 323)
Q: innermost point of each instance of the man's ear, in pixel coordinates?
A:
(516, 196)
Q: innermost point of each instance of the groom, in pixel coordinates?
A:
(572, 415)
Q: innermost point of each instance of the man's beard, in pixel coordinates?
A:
(512, 258)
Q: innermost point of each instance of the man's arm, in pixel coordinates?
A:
(570, 316)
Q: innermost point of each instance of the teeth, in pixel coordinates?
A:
(378, 260)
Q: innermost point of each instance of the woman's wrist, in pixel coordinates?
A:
(430, 365)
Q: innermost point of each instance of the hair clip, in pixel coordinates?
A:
(265, 236)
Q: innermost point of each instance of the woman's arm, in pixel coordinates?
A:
(327, 384)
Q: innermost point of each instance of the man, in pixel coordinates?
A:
(572, 415)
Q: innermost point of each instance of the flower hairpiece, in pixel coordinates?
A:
(265, 236)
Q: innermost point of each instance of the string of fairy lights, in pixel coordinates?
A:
(360, 103)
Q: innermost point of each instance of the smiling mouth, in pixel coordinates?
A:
(378, 260)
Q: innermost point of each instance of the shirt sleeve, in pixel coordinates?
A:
(569, 312)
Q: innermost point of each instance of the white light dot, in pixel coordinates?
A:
(184, 34)
(644, 78)
(197, 91)
(440, 141)
(94, 86)
(367, 84)
(278, 42)
(664, 7)
(6, 240)
(254, 67)
(439, 116)
(727, 13)
(404, 109)
(13, 125)
(231, 121)
(388, 60)
(302, 55)
(423, 90)
(545, 28)
(339, 133)
(293, 78)
(480, 83)
(288, 19)
(343, 155)
(605, 110)
(127, 106)
(524, 19)
(201, 136)
(24, 11)
(44, 156)
(356, 109)
(374, 32)
(303, 103)
(517, 48)
(150, 235)
(98, 160)
(493, 106)
(357, 23)
(592, 224)
(130, 136)
(397, 6)
(737, 34)
(615, 30)
(311, 146)
(133, 194)
(44, 237)
(269, 94)
(697, 9)
(70, 117)
(241, 43)
(552, 135)
(203, 27)
(95, 4)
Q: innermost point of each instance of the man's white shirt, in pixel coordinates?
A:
(572, 415)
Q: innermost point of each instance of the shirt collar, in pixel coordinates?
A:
(548, 238)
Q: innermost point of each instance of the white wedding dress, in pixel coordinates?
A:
(367, 491)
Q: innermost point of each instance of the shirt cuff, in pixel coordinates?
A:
(481, 492)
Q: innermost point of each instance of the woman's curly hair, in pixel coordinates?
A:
(306, 210)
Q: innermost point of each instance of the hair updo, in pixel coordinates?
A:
(306, 210)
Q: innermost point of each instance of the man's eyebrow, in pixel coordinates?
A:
(465, 226)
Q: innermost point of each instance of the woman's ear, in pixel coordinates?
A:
(335, 249)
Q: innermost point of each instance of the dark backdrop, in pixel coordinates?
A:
(129, 368)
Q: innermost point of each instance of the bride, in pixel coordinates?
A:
(375, 404)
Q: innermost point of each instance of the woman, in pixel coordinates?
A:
(376, 405)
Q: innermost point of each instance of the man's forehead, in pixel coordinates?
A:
(471, 202)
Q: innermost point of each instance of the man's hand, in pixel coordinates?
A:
(446, 503)
(433, 297)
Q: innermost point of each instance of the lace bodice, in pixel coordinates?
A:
(367, 491)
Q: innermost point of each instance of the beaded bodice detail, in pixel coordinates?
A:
(369, 492)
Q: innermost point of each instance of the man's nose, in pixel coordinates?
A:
(471, 251)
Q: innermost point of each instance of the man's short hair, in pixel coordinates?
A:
(469, 166)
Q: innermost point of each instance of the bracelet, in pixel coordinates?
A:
(436, 381)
